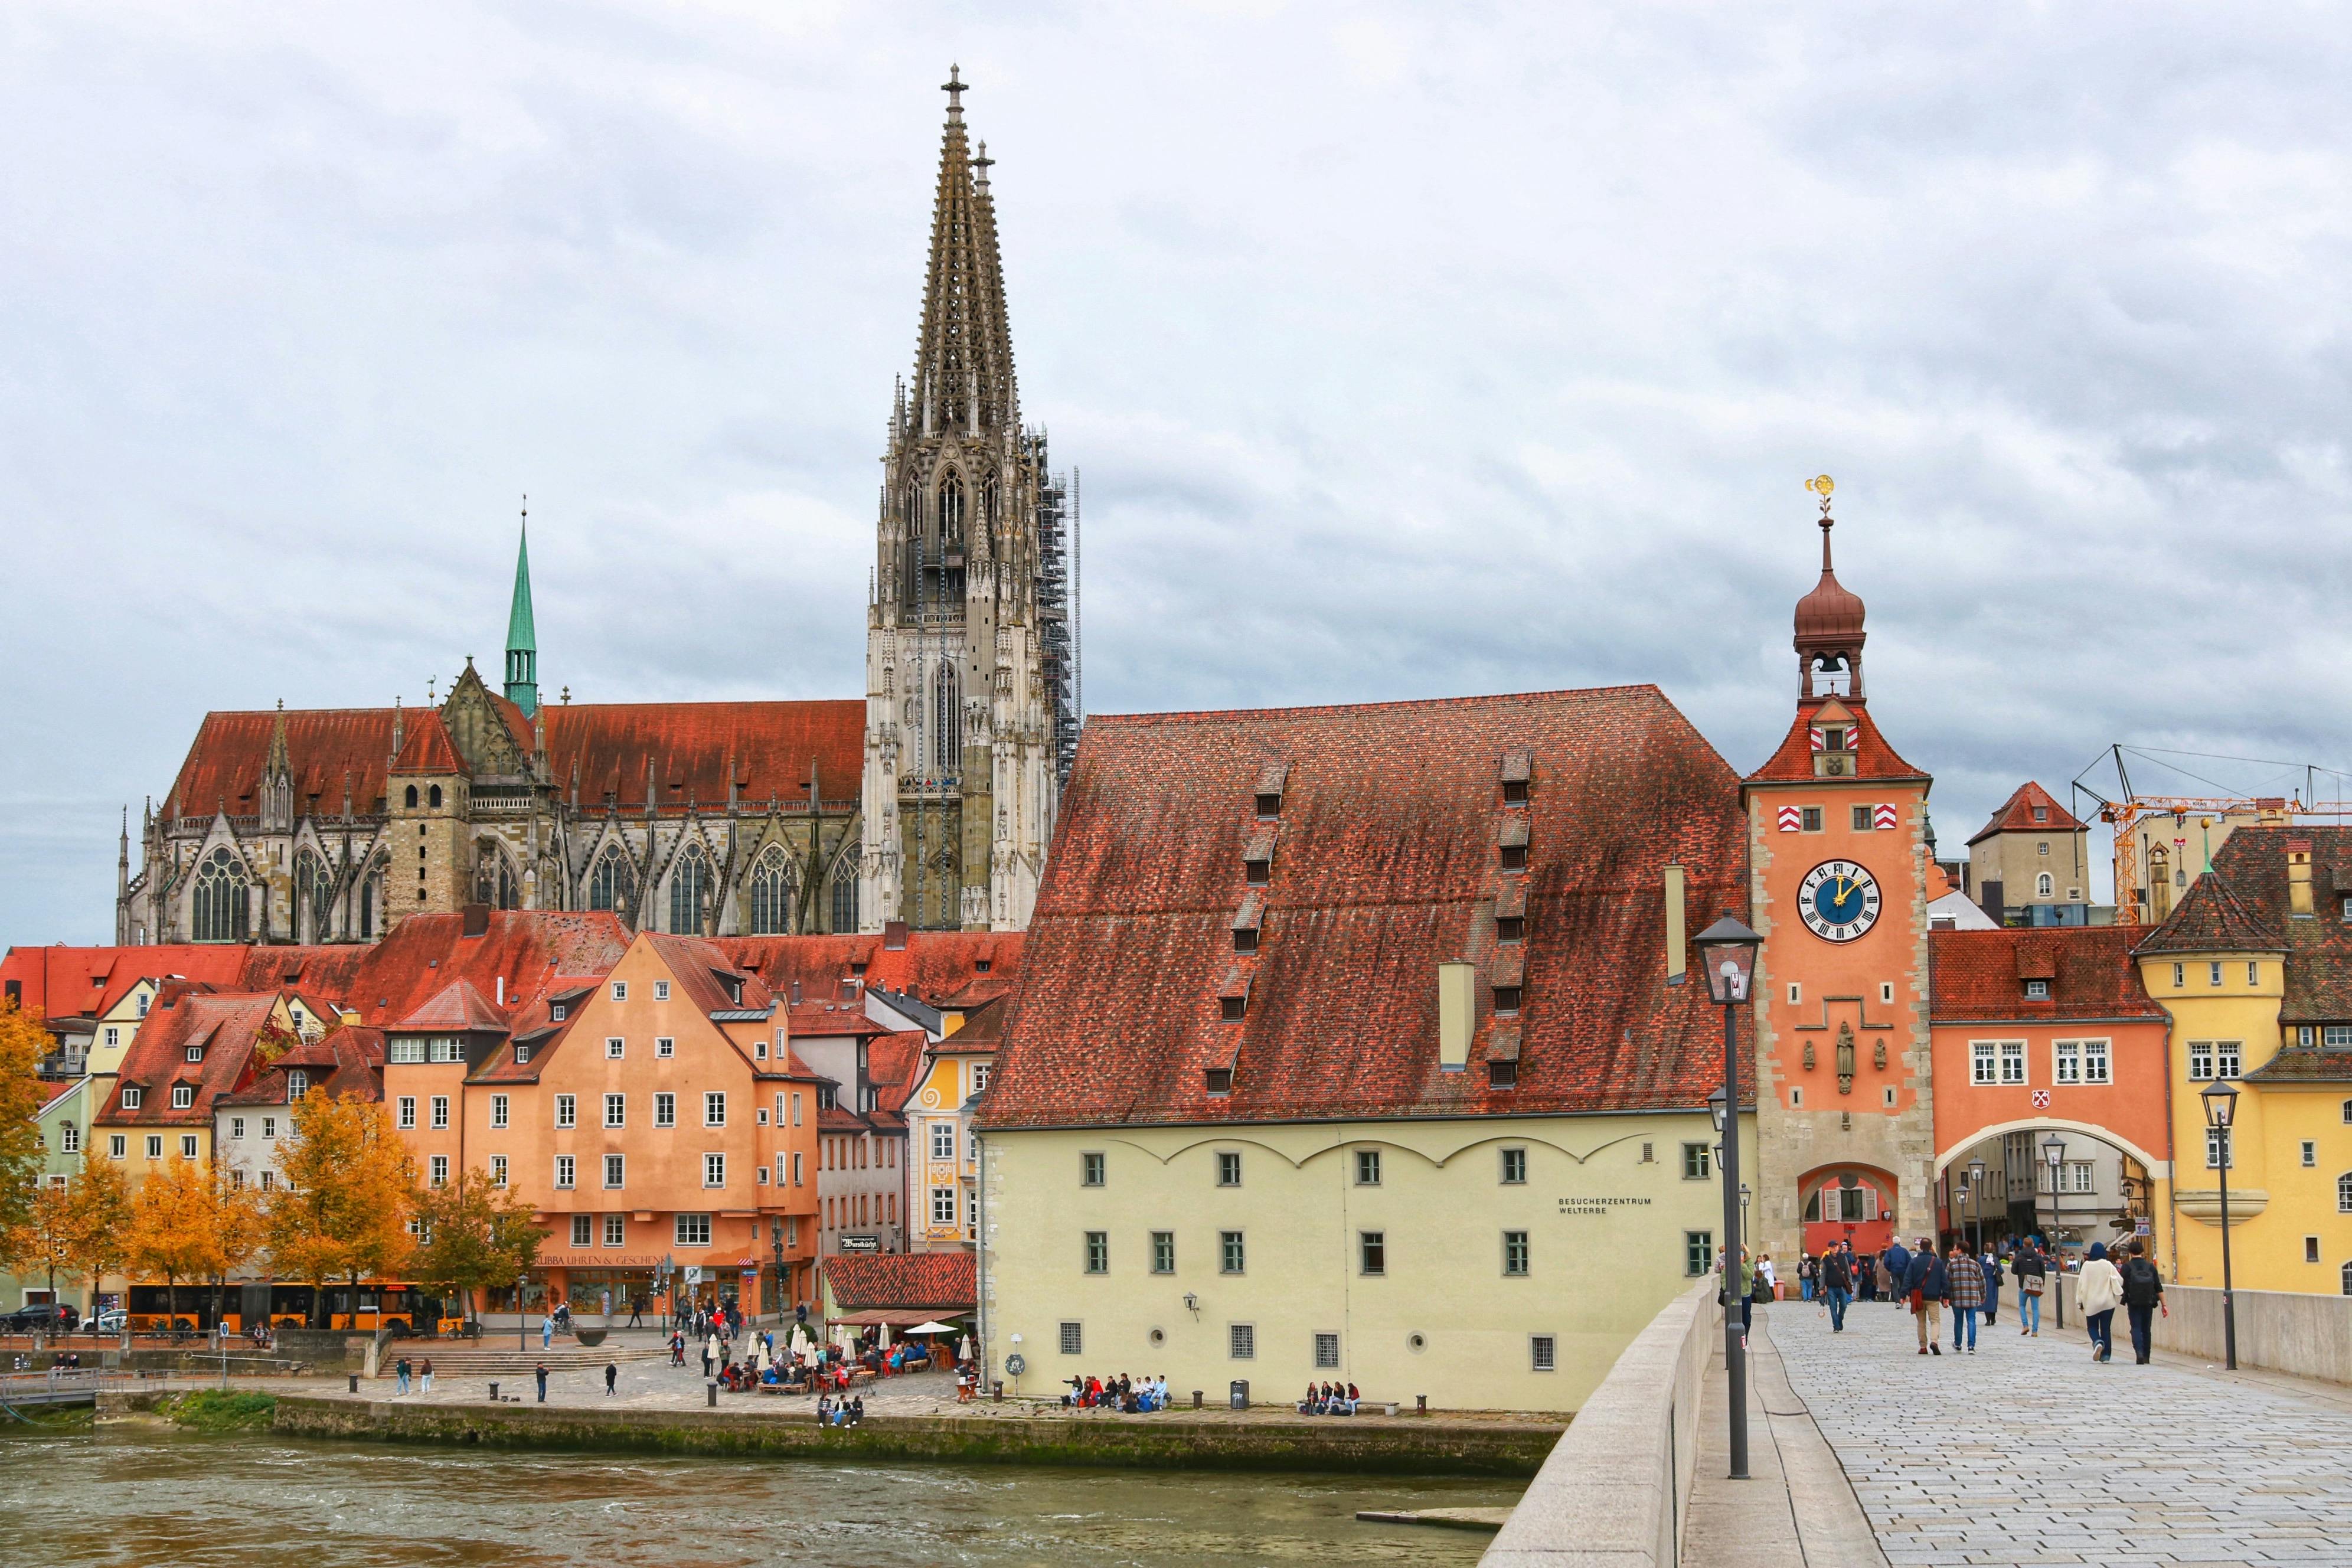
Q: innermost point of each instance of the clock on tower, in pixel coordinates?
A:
(1839, 862)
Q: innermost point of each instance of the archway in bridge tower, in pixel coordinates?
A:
(1847, 1202)
(2004, 1186)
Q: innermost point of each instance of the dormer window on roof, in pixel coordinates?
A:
(2037, 991)
(1232, 997)
(1257, 859)
(195, 1053)
(1246, 923)
(1512, 843)
(1518, 772)
(1217, 1080)
(1270, 782)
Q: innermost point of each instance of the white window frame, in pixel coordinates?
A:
(567, 1111)
(567, 1170)
(440, 1170)
(498, 1111)
(616, 1230)
(714, 1108)
(184, 1096)
(405, 1114)
(616, 1048)
(616, 1109)
(441, 1112)
(2065, 1062)
(1983, 1062)
(664, 1046)
(943, 1205)
(661, 990)
(714, 1170)
(943, 1140)
(691, 1230)
(2099, 1061)
(2214, 1141)
(498, 1169)
(584, 1230)
(617, 1171)
(2012, 1063)
(620, 990)
(664, 1109)
(133, 1097)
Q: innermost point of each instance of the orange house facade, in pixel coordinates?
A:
(656, 1119)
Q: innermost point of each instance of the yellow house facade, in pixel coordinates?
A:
(2253, 968)
(1496, 1263)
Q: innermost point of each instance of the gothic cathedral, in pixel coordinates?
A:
(931, 803)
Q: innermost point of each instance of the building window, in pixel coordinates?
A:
(616, 1169)
(796, 1168)
(2066, 1066)
(1698, 1162)
(1368, 1167)
(2095, 1067)
(943, 1140)
(193, 1054)
(498, 1111)
(689, 884)
(714, 1170)
(616, 1046)
(440, 1170)
(2012, 1061)
(1090, 1169)
(2345, 1275)
(1163, 1252)
(620, 990)
(1698, 1252)
(2041, 885)
(771, 906)
(564, 1167)
(2216, 1141)
(1543, 1353)
(407, 1113)
(1515, 1167)
(714, 1108)
(567, 1111)
(664, 1046)
(2213, 974)
(616, 1110)
(1232, 1258)
(978, 1077)
(1240, 1341)
(2225, 1058)
(184, 1096)
(1327, 1352)
(236, 1130)
(2310, 1153)
(154, 1145)
(1980, 1061)
(132, 1097)
(943, 1205)
(1515, 1252)
(1372, 1251)
(1811, 819)
(664, 1109)
(2311, 1249)
(115, 1151)
(693, 1231)
(616, 1229)
(2344, 1194)
(582, 1229)
(1072, 1340)
(220, 899)
(2081, 1176)
(1229, 1168)
(498, 1169)
(1098, 1252)
(2179, 975)
(187, 1145)
(269, 1127)
(440, 1110)
(2037, 991)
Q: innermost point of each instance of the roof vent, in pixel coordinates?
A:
(1512, 841)
(1257, 859)
(1232, 997)
(1245, 924)
(1270, 780)
(476, 918)
(1519, 772)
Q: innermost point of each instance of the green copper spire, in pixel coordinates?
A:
(522, 636)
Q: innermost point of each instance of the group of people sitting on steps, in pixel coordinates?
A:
(848, 1412)
(1121, 1393)
(1329, 1399)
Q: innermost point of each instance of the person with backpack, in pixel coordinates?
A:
(2143, 1298)
(2032, 1271)
(1926, 1284)
(1837, 1287)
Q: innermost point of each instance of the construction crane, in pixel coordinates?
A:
(2234, 811)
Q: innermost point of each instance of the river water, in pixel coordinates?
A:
(148, 1495)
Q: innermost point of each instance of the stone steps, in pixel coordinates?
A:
(483, 1361)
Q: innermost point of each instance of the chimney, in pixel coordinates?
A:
(2298, 877)
(894, 936)
(502, 990)
(476, 918)
(1674, 926)
(1456, 1006)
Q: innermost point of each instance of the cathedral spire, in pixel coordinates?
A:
(522, 636)
(963, 362)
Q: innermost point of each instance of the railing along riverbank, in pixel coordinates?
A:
(2278, 1331)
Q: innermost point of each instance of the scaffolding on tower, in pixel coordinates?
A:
(1058, 595)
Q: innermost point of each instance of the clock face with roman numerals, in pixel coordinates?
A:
(1839, 900)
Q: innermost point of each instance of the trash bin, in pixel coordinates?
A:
(494, 1394)
(1239, 1396)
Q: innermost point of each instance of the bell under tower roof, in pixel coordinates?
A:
(1829, 623)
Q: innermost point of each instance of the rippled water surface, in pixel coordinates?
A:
(148, 1495)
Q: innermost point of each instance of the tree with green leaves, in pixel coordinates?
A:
(474, 1236)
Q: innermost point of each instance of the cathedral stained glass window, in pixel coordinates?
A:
(220, 899)
(772, 893)
(690, 880)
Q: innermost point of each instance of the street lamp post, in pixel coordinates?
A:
(776, 1236)
(522, 1340)
(2220, 1098)
(1727, 959)
(1975, 1201)
(2054, 1155)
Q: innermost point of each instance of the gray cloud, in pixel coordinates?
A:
(1406, 352)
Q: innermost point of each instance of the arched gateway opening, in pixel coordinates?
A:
(2005, 1184)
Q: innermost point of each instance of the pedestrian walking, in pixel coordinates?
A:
(1966, 1277)
(1837, 1281)
(399, 1375)
(709, 1349)
(1807, 1274)
(425, 1375)
(2143, 1298)
(546, 1330)
(1924, 1285)
(2099, 1290)
(612, 1377)
(2032, 1272)
(1991, 1261)
(1895, 1282)
(636, 1312)
(541, 1372)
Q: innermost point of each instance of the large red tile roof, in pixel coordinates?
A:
(325, 746)
(428, 748)
(2212, 918)
(457, 1007)
(347, 1062)
(1874, 758)
(2015, 814)
(225, 1026)
(863, 1282)
(1979, 975)
(1385, 865)
(932, 966)
(425, 954)
(2251, 866)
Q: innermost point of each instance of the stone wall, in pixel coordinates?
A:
(2308, 1336)
(1616, 1486)
(1402, 1447)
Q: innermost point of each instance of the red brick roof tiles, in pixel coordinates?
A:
(1979, 975)
(932, 966)
(2015, 814)
(223, 1026)
(2211, 918)
(1386, 868)
(1874, 758)
(905, 1281)
(428, 748)
(2253, 866)
(455, 1008)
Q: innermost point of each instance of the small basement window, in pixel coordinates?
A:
(1218, 1080)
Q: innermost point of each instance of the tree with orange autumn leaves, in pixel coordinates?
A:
(188, 1222)
(22, 1042)
(347, 1187)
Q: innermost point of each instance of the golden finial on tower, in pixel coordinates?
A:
(1821, 485)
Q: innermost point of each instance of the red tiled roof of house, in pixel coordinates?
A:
(1874, 758)
(912, 1281)
(982, 1029)
(457, 1007)
(225, 1026)
(428, 748)
(1386, 864)
(1981, 975)
(832, 1018)
(528, 949)
(2015, 814)
(933, 964)
(767, 748)
(892, 1064)
(346, 1062)
(2211, 918)
(61, 982)
(2252, 864)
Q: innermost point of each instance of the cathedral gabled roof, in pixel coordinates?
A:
(963, 359)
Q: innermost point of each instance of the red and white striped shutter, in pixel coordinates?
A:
(1821, 741)
(1792, 818)
(1885, 816)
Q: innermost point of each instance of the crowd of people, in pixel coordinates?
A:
(1122, 1393)
(1966, 1285)
(1330, 1399)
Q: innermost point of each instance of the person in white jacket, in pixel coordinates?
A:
(2099, 1290)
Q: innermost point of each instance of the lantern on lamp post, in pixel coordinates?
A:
(1726, 953)
(1975, 1201)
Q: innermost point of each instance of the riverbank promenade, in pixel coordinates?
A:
(2025, 1453)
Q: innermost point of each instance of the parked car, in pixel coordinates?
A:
(43, 1317)
(111, 1321)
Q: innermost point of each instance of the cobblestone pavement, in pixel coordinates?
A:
(2029, 1452)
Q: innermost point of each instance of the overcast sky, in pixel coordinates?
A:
(1405, 350)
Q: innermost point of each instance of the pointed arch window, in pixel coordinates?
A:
(495, 881)
(951, 513)
(609, 883)
(690, 880)
(314, 893)
(367, 909)
(947, 719)
(772, 891)
(219, 913)
(845, 891)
